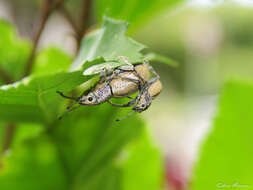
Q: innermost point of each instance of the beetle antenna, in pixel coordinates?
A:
(68, 97)
(128, 115)
(71, 105)
(69, 109)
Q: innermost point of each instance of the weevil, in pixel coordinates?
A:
(143, 100)
(121, 82)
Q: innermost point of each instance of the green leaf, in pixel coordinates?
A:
(13, 51)
(159, 58)
(2, 131)
(34, 164)
(51, 60)
(104, 139)
(25, 131)
(96, 69)
(143, 167)
(35, 99)
(107, 178)
(136, 12)
(226, 155)
(82, 150)
(79, 152)
(109, 42)
(138, 166)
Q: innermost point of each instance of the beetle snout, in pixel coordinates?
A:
(83, 100)
(139, 109)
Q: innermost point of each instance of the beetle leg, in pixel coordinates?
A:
(69, 109)
(153, 71)
(106, 74)
(153, 80)
(124, 59)
(135, 72)
(156, 76)
(128, 115)
(68, 97)
(128, 104)
(103, 75)
(131, 103)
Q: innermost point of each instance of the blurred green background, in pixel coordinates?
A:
(196, 135)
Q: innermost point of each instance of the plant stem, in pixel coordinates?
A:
(47, 8)
(84, 20)
(71, 21)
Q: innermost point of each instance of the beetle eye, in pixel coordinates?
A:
(142, 105)
(90, 99)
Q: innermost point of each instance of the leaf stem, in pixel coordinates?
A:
(9, 133)
(10, 128)
(5, 76)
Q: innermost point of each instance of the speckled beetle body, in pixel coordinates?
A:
(146, 96)
(122, 82)
(148, 91)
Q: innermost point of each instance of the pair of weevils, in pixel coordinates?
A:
(122, 82)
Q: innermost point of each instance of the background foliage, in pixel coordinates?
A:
(225, 157)
(88, 149)
(79, 152)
